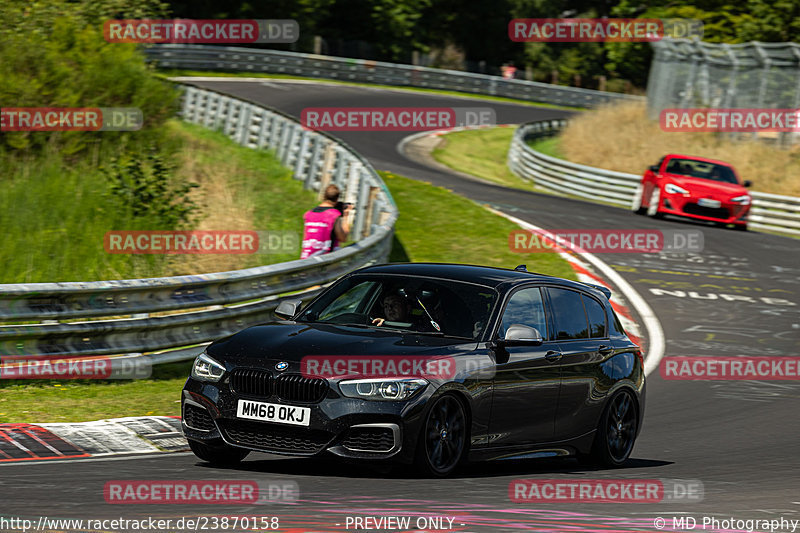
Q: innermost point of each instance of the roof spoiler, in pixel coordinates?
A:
(601, 288)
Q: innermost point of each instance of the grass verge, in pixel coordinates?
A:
(83, 400)
(434, 225)
(482, 153)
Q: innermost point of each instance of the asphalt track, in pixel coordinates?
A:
(740, 439)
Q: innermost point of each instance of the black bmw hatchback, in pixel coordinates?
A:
(434, 364)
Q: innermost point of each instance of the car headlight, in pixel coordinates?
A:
(671, 188)
(381, 389)
(743, 199)
(207, 369)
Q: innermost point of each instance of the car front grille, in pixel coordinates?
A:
(713, 212)
(296, 388)
(197, 418)
(374, 439)
(270, 437)
(251, 381)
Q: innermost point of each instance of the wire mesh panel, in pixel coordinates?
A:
(693, 74)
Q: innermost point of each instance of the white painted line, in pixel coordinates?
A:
(119, 457)
(655, 334)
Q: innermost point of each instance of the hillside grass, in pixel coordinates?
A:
(59, 210)
(621, 138)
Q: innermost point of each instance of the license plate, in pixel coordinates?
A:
(273, 412)
(706, 202)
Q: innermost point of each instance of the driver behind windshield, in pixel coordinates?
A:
(399, 312)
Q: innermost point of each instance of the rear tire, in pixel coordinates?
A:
(616, 432)
(223, 455)
(636, 203)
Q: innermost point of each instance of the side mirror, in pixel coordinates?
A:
(288, 308)
(654, 168)
(747, 183)
(521, 335)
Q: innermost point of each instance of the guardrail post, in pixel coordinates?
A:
(266, 119)
(341, 169)
(300, 155)
(361, 202)
(243, 127)
(314, 165)
(275, 132)
(189, 96)
(372, 194)
(327, 168)
(286, 141)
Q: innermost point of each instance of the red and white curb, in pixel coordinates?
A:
(625, 297)
(143, 434)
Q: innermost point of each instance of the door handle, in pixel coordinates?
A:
(553, 355)
(605, 350)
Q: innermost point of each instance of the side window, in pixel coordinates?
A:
(597, 316)
(348, 302)
(525, 307)
(617, 324)
(568, 314)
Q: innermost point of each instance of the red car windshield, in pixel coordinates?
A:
(701, 169)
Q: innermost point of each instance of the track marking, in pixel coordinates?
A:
(655, 334)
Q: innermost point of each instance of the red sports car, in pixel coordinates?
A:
(693, 187)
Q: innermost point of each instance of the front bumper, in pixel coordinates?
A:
(346, 427)
(688, 206)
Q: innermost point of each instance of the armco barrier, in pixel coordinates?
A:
(770, 212)
(152, 315)
(231, 59)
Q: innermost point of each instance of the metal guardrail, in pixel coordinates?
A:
(230, 59)
(149, 315)
(769, 212)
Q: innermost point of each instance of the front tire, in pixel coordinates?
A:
(223, 455)
(443, 443)
(636, 203)
(652, 205)
(616, 432)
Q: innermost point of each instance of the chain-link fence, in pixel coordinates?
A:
(693, 74)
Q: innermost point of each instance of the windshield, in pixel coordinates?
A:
(404, 303)
(701, 169)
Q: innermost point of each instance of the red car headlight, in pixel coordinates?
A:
(742, 200)
(671, 188)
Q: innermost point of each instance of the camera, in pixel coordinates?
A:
(341, 206)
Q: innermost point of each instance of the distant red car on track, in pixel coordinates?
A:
(693, 187)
